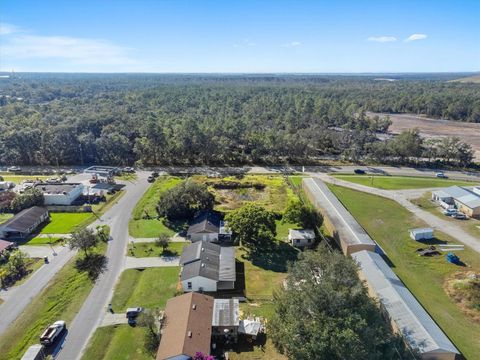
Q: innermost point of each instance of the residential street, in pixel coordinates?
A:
(400, 197)
(94, 308)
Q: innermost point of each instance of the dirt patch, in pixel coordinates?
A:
(464, 288)
(467, 132)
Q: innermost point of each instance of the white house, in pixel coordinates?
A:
(421, 234)
(207, 267)
(301, 237)
(60, 193)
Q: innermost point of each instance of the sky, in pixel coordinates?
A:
(240, 36)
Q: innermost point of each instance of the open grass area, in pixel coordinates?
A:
(144, 222)
(265, 352)
(425, 202)
(282, 229)
(149, 249)
(65, 223)
(118, 342)
(61, 299)
(4, 217)
(401, 182)
(388, 224)
(149, 288)
(18, 179)
(43, 240)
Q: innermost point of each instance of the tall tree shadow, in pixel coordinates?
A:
(93, 265)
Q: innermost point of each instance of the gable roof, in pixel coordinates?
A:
(188, 326)
(208, 260)
(205, 222)
(24, 220)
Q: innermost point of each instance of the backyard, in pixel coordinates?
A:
(400, 182)
(388, 224)
(149, 288)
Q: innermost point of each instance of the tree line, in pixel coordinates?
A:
(212, 120)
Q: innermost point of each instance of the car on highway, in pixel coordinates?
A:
(359, 172)
(441, 175)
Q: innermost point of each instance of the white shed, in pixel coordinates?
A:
(421, 234)
(301, 237)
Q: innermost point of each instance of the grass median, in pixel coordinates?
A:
(388, 224)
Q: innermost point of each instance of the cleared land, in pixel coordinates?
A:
(65, 223)
(467, 132)
(120, 342)
(149, 288)
(388, 224)
(62, 299)
(149, 249)
(401, 182)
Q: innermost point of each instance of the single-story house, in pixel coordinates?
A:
(208, 226)
(5, 245)
(207, 267)
(301, 237)
(24, 223)
(60, 193)
(187, 327)
(465, 200)
(421, 234)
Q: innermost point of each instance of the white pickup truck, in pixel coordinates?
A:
(52, 332)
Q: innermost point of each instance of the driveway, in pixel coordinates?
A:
(433, 221)
(40, 251)
(147, 262)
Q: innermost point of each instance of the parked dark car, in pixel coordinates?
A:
(151, 179)
(359, 172)
(155, 174)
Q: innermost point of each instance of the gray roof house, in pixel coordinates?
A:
(209, 226)
(406, 314)
(207, 267)
(23, 223)
(467, 200)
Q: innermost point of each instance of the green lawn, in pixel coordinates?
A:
(388, 224)
(149, 288)
(296, 180)
(65, 223)
(4, 217)
(149, 249)
(264, 352)
(139, 227)
(119, 342)
(43, 240)
(61, 299)
(401, 182)
(282, 229)
(17, 179)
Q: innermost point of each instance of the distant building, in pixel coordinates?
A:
(60, 193)
(465, 200)
(208, 226)
(421, 234)
(104, 171)
(301, 237)
(24, 223)
(207, 267)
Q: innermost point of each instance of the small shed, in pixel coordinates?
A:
(301, 237)
(421, 234)
(250, 328)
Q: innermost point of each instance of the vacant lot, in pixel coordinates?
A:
(400, 182)
(467, 132)
(61, 299)
(119, 342)
(65, 223)
(18, 179)
(144, 222)
(388, 224)
(149, 288)
(149, 249)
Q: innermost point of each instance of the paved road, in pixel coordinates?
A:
(433, 221)
(18, 297)
(93, 309)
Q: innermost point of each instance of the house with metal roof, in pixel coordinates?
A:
(207, 267)
(348, 233)
(403, 310)
(209, 226)
(226, 319)
(465, 200)
(301, 237)
(421, 234)
(24, 223)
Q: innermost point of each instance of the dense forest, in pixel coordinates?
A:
(149, 119)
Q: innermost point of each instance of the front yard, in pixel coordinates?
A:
(149, 288)
(149, 249)
(65, 223)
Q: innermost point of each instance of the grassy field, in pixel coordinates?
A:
(65, 223)
(471, 226)
(388, 224)
(17, 179)
(149, 249)
(61, 299)
(400, 182)
(5, 217)
(282, 229)
(149, 288)
(119, 342)
(148, 228)
(43, 240)
(266, 352)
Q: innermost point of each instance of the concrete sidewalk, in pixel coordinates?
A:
(40, 251)
(148, 262)
(114, 319)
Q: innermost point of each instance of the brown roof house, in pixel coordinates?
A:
(23, 223)
(187, 327)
